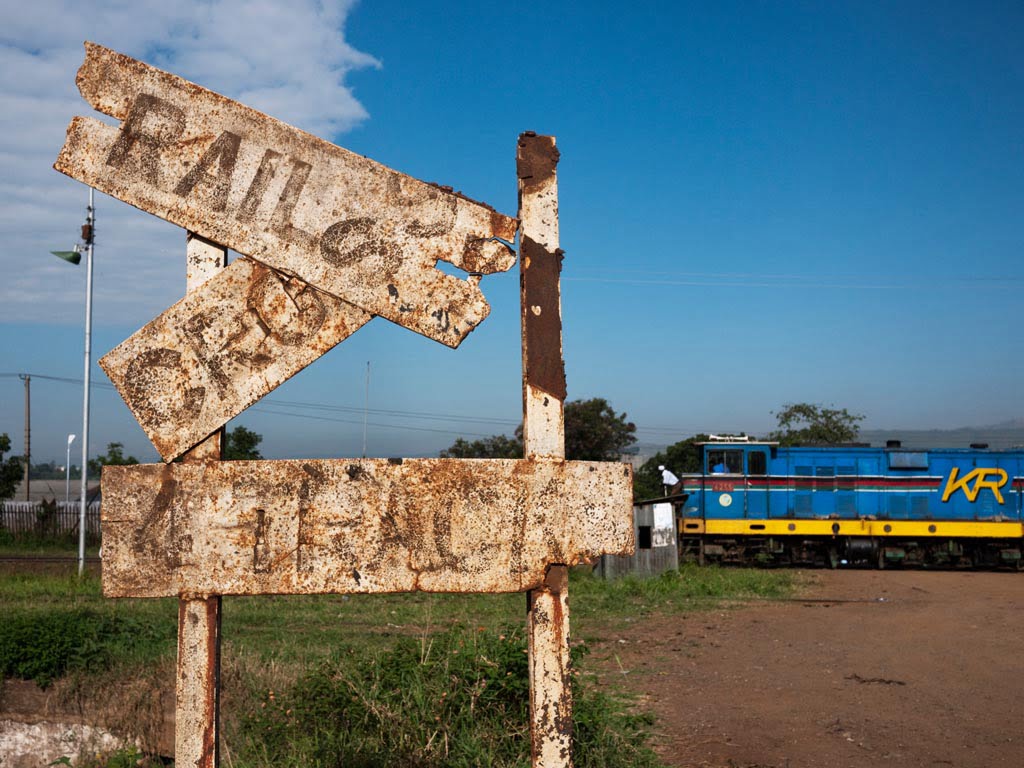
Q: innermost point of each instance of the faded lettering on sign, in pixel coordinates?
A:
(342, 223)
(357, 525)
(221, 348)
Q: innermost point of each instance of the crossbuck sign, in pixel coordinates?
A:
(329, 240)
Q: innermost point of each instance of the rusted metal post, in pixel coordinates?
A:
(544, 437)
(197, 694)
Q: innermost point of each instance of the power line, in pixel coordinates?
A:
(60, 379)
(371, 423)
(766, 281)
(328, 407)
(392, 412)
(297, 406)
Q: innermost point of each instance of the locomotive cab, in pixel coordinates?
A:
(735, 478)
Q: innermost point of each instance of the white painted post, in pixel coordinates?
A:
(197, 694)
(544, 437)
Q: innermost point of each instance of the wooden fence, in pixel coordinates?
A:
(25, 519)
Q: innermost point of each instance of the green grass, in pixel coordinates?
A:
(35, 546)
(415, 679)
(455, 698)
(54, 625)
(306, 629)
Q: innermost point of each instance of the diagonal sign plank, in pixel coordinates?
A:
(342, 223)
(220, 349)
(357, 525)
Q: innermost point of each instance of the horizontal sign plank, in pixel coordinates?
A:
(341, 222)
(357, 525)
(225, 345)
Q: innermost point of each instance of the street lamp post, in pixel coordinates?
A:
(89, 236)
(67, 474)
(75, 256)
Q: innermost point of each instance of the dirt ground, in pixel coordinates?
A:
(870, 668)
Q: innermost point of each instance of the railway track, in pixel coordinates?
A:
(93, 560)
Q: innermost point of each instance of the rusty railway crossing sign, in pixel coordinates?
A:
(329, 240)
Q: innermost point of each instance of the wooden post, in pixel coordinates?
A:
(197, 694)
(544, 437)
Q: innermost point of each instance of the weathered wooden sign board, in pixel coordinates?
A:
(223, 347)
(339, 221)
(312, 211)
(351, 526)
(333, 239)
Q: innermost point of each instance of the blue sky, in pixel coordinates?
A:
(761, 203)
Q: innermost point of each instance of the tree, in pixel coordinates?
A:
(593, 432)
(114, 457)
(809, 424)
(679, 458)
(242, 444)
(11, 470)
(493, 447)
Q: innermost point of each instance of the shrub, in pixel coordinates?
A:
(45, 645)
(459, 698)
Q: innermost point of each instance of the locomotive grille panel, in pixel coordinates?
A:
(919, 507)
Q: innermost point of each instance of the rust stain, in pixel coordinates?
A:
(540, 271)
(536, 160)
(342, 223)
(437, 525)
(212, 683)
(542, 320)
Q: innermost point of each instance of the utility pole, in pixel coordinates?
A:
(366, 405)
(28, 431)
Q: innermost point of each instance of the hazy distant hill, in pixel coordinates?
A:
(1002, 436)
(1008, 434)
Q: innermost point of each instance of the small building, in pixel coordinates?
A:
(654, 526)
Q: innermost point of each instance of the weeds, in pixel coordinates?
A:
(424, 680)
(458, 698)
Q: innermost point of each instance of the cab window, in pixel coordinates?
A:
(757, 463)
(722, 462)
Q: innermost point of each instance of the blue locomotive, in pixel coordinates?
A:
(762, 502)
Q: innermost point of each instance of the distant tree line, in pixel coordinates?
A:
(593, 432)
(239, 444)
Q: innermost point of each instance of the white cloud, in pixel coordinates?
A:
(288, 59)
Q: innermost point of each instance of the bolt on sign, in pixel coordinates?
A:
(329, 240)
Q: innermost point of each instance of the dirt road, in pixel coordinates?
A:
(891, 668)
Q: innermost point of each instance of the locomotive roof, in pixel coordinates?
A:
(737, 441)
